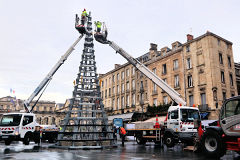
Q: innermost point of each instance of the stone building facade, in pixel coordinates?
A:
(201, 70)
(237, 71)
(47, 112)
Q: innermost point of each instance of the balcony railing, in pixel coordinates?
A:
(203, 107)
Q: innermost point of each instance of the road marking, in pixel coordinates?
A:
(81, 157)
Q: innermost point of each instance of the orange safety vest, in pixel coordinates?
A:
(122, 131)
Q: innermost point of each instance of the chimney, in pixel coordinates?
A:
(153, 46)
(189, 37)
(117, 65)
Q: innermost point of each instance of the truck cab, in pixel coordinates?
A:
(180, 125)
(17, 126)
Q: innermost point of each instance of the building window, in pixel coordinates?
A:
(109, 80)
(127, 72)
(191, 100)
(127, 100)
(224, 95)
(203, 98)
(233, 94)
(109, 92)
(133, 84)
(164, 69)
(155, 101)
(105, 93)
(189, 63)
(113, 103)
(113, 78)
(133, 99)
(102, 83)
(122, 75)
(176, 81)
(122, 102)
(118, 77)
(231, 79)
(188, 48)
(113, 90)
(165, 100)
(229, 62)
(118, 103)
(218, 42)
(127, 85)
(222, 77)
(220, 58)
(154, 70)
(122, 88)
(117, 88)
(106, 82)
(190, 81)
(154, 87)
(133, 70)
(175, 64)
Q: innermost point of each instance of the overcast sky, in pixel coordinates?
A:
(34, 34)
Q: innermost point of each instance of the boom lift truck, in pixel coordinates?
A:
(215, 140)
(24, 126)
(179, 119)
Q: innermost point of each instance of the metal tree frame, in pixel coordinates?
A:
(86, 124)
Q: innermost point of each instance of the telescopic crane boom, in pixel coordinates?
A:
(49, 76)
(102, 38)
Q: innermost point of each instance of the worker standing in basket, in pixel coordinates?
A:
(123, 134)
(98, 25)
(83, 16)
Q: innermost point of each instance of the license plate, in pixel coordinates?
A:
(4, 137)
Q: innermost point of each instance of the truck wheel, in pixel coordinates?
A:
(140, 141)
(27, 139)
(212, 144)
(7, 142)
(169, 140)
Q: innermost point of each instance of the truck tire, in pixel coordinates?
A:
(7, 142)
(169, 140)
(212, 144)
(140, 140)
(27, 139)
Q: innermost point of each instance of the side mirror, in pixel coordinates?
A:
(196, 123)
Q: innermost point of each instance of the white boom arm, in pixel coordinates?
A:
(49, 76)
(148, 73)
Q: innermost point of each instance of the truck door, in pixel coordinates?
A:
(27, 125)
(230, 117)
(173, 122)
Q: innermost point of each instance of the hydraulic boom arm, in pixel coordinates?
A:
(148, 73)
(102, 38)
(46, 80)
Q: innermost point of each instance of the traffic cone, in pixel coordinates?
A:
(157, 125)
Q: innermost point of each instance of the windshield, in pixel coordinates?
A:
(188, 115)
(232, 108)
(11, 120)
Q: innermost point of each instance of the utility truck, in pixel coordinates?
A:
(216, 140)
(23, 126)
(180, 118)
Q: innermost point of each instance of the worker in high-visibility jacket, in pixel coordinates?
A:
(123, 134)
(83, 16)
(98, 25)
